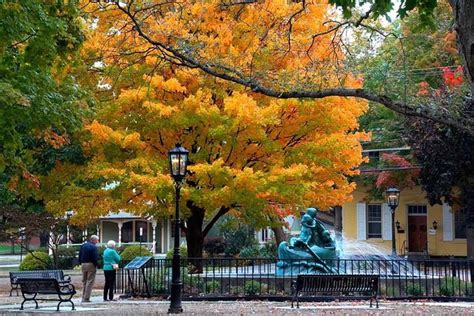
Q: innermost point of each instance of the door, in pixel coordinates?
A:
(417, 239)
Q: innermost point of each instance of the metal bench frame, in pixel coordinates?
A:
(31, 287)
(37, 274)
(336, 286)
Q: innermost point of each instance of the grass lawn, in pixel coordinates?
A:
(7, 249)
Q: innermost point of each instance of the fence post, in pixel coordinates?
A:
(452, 263)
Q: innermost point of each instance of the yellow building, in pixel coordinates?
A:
(420, 229)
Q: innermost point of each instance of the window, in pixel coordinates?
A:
(374, 221)
(460, 220)
(417, 209)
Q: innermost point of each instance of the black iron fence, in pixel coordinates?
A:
(222, 278)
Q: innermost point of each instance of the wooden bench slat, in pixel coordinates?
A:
(37, 274)
(31, 287)
(336, 285)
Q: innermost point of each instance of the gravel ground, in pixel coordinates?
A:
(10, 306)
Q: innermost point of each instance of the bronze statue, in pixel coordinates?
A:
(307, 252)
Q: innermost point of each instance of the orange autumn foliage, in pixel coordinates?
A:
(254, 155)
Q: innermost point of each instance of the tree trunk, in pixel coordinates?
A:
(463, 11)
(195, 236)
(470, 239)
(44, 239)
(338, 224)
(279, 235)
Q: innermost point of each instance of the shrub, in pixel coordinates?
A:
(212, 286)
(236, 290)
(135, 251)
(452, 286)
(100, 261)
(159, 282)
(192, 283)
(214, 245)
(254, 287)
(66, 258)
(415, 289)
(388, 291)
(36, 260)
(183, 252)
(237, 238)
(269, 250)
(252, 251)
(42, 249)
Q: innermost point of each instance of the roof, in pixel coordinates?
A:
(120, 215)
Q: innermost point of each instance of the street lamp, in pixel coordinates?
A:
(68, 237)
(22, 233)
(178, 158)
(393, 198)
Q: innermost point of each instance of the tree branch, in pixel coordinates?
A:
(222, 211)
(233, 75)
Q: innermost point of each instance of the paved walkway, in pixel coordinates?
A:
(11, 305)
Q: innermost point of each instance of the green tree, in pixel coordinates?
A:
(36, 39)
(444, 153)
(41, 104)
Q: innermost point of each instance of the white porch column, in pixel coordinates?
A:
(162, 240)
(51, 243)
(120, 233)
(68, 236)
(153, 225)
(101, 236)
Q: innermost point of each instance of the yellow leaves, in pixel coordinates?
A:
(170, 85)
(133, 95)
(102, 133)
(111, 173)
(132, 141)
(247, 150)
(243, 107)
(159, 108)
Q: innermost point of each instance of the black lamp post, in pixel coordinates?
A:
(178, 158)
(393, 198)
(68, 217)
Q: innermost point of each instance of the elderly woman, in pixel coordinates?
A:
(111, 260)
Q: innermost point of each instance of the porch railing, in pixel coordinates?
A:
(223, 278)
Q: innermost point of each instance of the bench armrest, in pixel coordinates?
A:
(66, 278)
(67, 288)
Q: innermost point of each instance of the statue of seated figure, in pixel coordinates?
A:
(313, 232)
(310, 248)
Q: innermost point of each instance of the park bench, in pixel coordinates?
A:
(31, 287)
(355, 286)
(40, 274)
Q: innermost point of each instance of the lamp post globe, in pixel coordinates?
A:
(178, 160)
(393, 199)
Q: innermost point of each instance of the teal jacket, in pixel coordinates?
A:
(110, 256)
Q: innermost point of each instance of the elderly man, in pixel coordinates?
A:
(88, 256)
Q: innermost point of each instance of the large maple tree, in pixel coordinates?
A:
(204, 35)
(254, 156)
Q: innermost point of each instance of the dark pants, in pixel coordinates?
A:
(109, 284)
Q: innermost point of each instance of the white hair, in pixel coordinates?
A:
(94, 237)
(111, 244)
